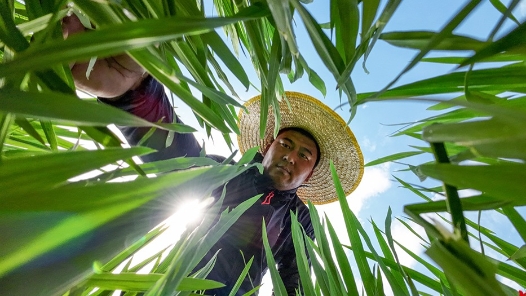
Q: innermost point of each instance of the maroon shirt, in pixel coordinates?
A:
(149, 101)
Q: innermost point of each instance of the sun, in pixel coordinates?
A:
(187, 212)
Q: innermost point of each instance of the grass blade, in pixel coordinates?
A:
(112, 40)
(437, 39)
(70, 110)
(354, 237)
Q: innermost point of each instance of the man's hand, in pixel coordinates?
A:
(110, 77)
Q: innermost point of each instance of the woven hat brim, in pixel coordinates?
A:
(333, 135)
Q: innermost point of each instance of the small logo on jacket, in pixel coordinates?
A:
(268, 198)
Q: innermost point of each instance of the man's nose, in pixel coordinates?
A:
(290, 157)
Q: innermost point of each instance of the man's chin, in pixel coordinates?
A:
(277, 179)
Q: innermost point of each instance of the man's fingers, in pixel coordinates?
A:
(71, 25)
(110, 77)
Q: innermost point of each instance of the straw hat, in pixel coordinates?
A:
(335, 138)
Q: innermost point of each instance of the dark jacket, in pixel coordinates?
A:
(150, 102)
(245, 235)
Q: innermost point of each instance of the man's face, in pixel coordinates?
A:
(290, 160)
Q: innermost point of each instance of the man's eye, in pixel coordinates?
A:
(285, 145)
(304, 156)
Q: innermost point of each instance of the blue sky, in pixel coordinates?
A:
(377, 191)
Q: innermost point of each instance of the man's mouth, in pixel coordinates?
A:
(285, 169)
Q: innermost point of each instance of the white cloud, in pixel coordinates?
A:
(374, 182)
(367, 144)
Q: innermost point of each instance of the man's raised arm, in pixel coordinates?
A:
(110, 77)
(119, 81)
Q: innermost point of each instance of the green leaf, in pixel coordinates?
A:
(502, 8)
(474, 203)
(112, 40)
(419, 277)
(517, 220)
(282, 16)
(346, 21)
(424, 261)
(354, 237)
(140, 265)
(512, 41)
(326, 50)
(521, 253)
(329, 277)
(248, 155)
(316, 81)
(503, 57)
(70, 110)
(269, 92)
(477, 133)
(392, 157)
(420, 39)
(369, 39)
(163, 166)
(40, 23)
(507, 187)
(217, 96)
(106, 202)
(142, 282)
(393, 283)
(342, 264)
(213, 40)
(47, 127)
(469, 270)
(495, 80)
(370, 9)
(277, 282)
(9, 33)
(167, 77)
(301, 258)
(5, 123)
(123, 281)
(390, 241)
(437, 39)
(24, 175)
(29, 129)
(115, 261)
(241, 277)
(102, 135)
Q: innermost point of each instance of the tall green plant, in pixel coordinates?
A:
(56, 227)
(477, 145)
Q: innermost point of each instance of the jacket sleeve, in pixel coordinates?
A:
(287, 266)
(149, 102)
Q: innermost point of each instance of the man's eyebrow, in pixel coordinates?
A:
(289, 140)
(292, 142)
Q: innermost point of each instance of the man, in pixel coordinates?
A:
(296, 164)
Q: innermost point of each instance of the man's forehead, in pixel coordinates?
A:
(297, 137)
